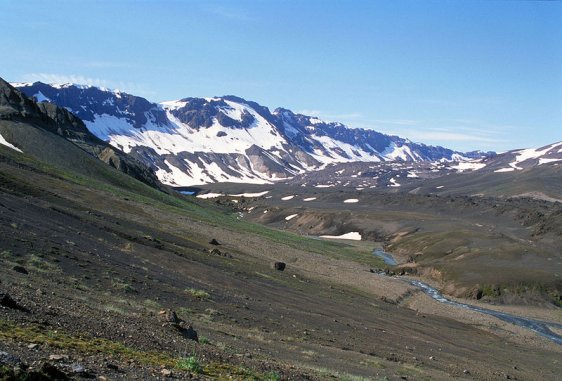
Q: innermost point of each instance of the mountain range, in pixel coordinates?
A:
(225, 139)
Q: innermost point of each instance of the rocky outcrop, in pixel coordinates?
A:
(17, 107)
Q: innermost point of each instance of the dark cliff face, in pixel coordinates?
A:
(16, 106)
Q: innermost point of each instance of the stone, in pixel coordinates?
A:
(58, 357)
(7, 301)
(214, 242)
(191, 334)
(51, 371)
(166, 372)
(32, 346)
(215, 252)
(8, 359)
(279, 266)
(78, 368)
(20, 269)
(111, 366)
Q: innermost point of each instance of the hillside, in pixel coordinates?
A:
(55, 136)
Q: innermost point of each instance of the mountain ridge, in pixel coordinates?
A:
(203, 140)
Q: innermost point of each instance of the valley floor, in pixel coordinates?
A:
(102, 263)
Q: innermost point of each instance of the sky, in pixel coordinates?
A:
(466, 75)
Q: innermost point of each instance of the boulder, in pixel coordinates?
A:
(20, 269)
(215, 252)
(7, 301)
(279, 266)
(51, 371)
(190, 333)
(171, 319)
(214, 242)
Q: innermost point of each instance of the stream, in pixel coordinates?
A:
(540, 327)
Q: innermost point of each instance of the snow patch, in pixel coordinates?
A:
(250, 194)
(350, 201)
(309, 199)
(210, 195)
(287, 198)
(546, 161)
(394, 183)
(511, 169)
(531, 153)
(41, 98)
(355, 236)
(468, 166)
(288, 218)
(10, 145)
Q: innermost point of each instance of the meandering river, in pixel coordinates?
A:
(540, 327)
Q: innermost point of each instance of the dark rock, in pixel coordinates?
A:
(191, 334)
(78, 369)
(20, 269)
(214, 242)
(111, 366)
(215, 252)
(279, 266)
(387, 300)
(50, 372)
(172, 320)
(8, 359)
(477, 294)
(389, 272)
(392, 357)
(170, 317)
(7, 301)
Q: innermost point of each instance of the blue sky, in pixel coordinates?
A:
(462, 74)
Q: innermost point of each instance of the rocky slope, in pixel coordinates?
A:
(28, 126)
(197, 141)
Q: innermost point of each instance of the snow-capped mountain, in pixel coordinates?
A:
(203, 140)
(517, 160)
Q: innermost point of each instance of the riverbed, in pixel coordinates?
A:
(540, 327)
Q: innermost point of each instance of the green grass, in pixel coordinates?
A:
(200, 294)
(273, 376)
(123, 286)
(190, 364)
(58, 339)
(34, 333)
